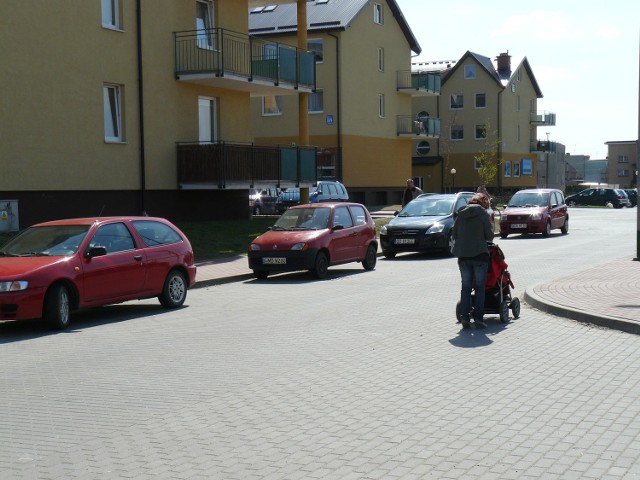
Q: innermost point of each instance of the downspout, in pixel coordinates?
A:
(338, 104)
(141, 111)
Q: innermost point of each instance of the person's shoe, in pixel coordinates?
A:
(480, 324)
(466, 324)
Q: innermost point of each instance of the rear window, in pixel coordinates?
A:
(156, 233)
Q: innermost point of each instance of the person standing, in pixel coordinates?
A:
(410, 192)
(471, 232)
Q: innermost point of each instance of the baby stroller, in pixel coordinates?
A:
(497, 294)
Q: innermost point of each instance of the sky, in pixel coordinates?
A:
(583, 54)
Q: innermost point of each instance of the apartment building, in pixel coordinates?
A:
(126, 107)
(622, 163)
(488, 115)
(359, 115)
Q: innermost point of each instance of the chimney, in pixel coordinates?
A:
(504, 64)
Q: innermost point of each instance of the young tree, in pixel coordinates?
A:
(487, 157)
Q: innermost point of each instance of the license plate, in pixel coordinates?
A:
(274, 260)
(518, 225)
(405, 241)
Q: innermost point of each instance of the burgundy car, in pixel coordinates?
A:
(535, 211)
(52, 269)
(313, 237)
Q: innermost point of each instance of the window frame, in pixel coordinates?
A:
(470, 72)
(381, 105)
(380, 59)
(506, 172)
(112, 8)
(482, 95)
(206, 41)
(277, 100)
(456, 103)
(318, 53)
(378, 14)
(516, 168)
(115, 118)
(318, 94)
(483, 130)
(457, 128)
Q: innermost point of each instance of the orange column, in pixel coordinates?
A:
(303, 106)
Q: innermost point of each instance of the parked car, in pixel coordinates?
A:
(313, 237)
(286, 199)
(52, 269)
(423, 225)
(632, 194)
(328, 191)
(263, 201)
(535, 211)
(600, 197)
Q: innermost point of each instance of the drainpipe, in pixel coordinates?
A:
(141, 111)
(338, 104)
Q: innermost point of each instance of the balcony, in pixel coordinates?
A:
(228, 59)
(418, 83)
(543, 119)
(410, 126)
(241, 165)
(543, 146)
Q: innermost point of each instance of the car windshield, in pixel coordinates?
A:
(59, 240)
(530, 199)
(428, 207)
(303, 219)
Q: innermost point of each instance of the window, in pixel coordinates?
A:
(623, 172)
(115, 237)
(316, 101)
(469, 72)
(381, 59)
(111, 11)
(518, 103)
(623, 159)
(316, 45)
(342, 217)
(476, 164)
(456, 101)
(207, 119)
(377, 13)
(507, 169)
(381, 105)
(359, 215)
(272, 105)
(156, 233)
(204, 24)
(516, 169)
(112, 113)
(481, 100)
(481, 132)
(457, 132)
(527, 166)
(518, 133)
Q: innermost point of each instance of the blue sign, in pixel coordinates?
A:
(329, 119)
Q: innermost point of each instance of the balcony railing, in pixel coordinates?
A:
(410, 126)
(544, 146)
(221, 164)
(418, 83)
(543, 118)
(217, 52)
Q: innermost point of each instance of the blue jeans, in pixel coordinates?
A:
(471, 270)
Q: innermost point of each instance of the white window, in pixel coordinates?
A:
(623, 159)
(112, 113)
(205, 24)
(481, 100)
(622, 172)
(111, 11)
(316, 101)
(381, 105)
(271, 105)
(207, 119)
(469, 72)
(507, 168)
(456, 101)
(377, 13)
(457, 132)
(518, 103)
(316, 45)
(516, 169)
(381, 59)
(476, 164)
(481, 132)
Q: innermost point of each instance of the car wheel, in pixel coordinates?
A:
(515, 307)
(504, 235)
(369, 262)
(504, 312)
(174, 292)
(450, 243)
(547, 229)
(261, 274)
(572, 203)
(565, 228)
(57, 309)
(321, 266)
(389, 255)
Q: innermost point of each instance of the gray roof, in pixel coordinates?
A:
(322, 15)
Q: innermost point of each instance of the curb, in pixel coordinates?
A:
(579, 315)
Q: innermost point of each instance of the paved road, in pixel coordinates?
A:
(363, 376)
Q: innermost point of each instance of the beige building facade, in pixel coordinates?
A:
(622, 164)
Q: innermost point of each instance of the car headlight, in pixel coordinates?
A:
(300, 246)
(504, 216)
(383, 230)
(536, 215)
(254, 248)
(15, 286)
(436, 228)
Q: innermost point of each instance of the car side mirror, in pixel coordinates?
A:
(554, 205)
(338, 227)
(395, 214)
(97, 251)
(504, 206)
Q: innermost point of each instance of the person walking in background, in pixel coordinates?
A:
(410, 192)
(471, 232)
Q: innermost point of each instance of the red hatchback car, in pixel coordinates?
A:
(53, 268)
(313, 237)
(535, 211)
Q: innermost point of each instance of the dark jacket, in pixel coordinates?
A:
(471, 232)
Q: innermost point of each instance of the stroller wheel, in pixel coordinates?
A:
(515, 307)
(504, 312)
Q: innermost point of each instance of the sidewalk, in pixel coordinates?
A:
(608, 295)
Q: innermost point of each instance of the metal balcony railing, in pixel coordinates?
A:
(221, 52)
(543, 118)
(221, 163)
(409, 125)
(418, 82)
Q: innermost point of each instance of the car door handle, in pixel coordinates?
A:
(138, 258)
